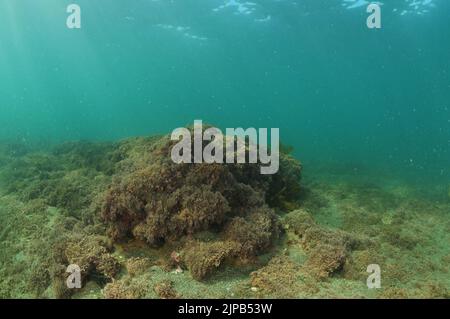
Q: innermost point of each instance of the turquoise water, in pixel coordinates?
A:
(339, 92)
(367, 112)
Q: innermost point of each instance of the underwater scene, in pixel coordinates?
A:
(224, 149)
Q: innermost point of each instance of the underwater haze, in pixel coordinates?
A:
(338, 91)
(366, 111)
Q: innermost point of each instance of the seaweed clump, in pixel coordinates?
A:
(137, 266)
(93, 256)
(91, 253)
(328, 249)
(157, 201)
(68, 176)
(204, 258)
(165, 290)
(278, 277)
(125, 289)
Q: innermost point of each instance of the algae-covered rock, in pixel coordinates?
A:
(165, 290)
(279, 278)
(126, 289)
(140, 194)
(202, 259)
(138, 265)
(92, 254)
(325, 259)
(255, 233)
(328, 249)
(140, 226)
(155, 200)
(68, 177)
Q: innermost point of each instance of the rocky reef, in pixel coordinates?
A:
(140, 226)
(131, 191)
(160, 202)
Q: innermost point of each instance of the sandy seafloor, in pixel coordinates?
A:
(407, 228)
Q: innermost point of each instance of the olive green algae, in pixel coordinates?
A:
(318, 237)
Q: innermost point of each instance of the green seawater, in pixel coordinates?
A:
(367, 111)
(338, 91)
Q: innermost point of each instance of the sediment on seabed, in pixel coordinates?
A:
(140, 226)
